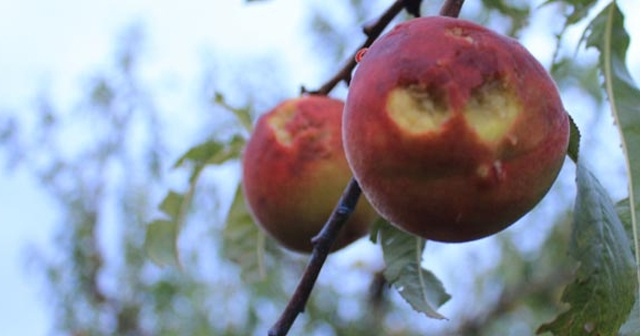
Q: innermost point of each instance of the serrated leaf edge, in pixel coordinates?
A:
(608, 75)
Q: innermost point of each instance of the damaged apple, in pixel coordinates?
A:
(453, 131)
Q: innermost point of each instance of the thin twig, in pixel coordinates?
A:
(451, 8)
(321, 246)
(372, 31)
(324, 240)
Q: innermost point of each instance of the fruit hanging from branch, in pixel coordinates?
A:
(453, 131)
(294, 171)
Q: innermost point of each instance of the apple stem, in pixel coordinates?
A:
(451, 8)
(324, 240)
(321, 246)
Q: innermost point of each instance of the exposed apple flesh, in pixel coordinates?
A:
(295, 170)
(453, 131)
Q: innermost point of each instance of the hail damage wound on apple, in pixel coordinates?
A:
(295, 170)
(453, 131)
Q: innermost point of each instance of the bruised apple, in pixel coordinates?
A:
(453, 131)
(295, 170)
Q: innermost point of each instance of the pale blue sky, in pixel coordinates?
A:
(57, 44)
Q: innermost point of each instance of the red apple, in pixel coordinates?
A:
(295, 170)
(453, 131)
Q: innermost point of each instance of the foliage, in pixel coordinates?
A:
(608, 35)
(601, 295)
(93, 291)
(217, 263)
(243, 243)
(403, 257)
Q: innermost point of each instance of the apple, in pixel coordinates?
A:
(295, 170)
(453, 131)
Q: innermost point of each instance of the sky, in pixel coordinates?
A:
(57, 43)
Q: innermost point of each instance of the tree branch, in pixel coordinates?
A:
(321, 246)
(372, 31)
(324, 240)
(451, 8)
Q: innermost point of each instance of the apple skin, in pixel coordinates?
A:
(453, 131)
(295, 170)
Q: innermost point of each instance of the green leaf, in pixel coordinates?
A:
(160, 243)
(624, 213)
(211, 152)
(244, 242)
(607, 34)
(632, 326)
(172, 204)
(603, 292)
(574, 140)
(403, 256)
(373, 231)
(243, 113)
(176, 205)
(161, 238)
